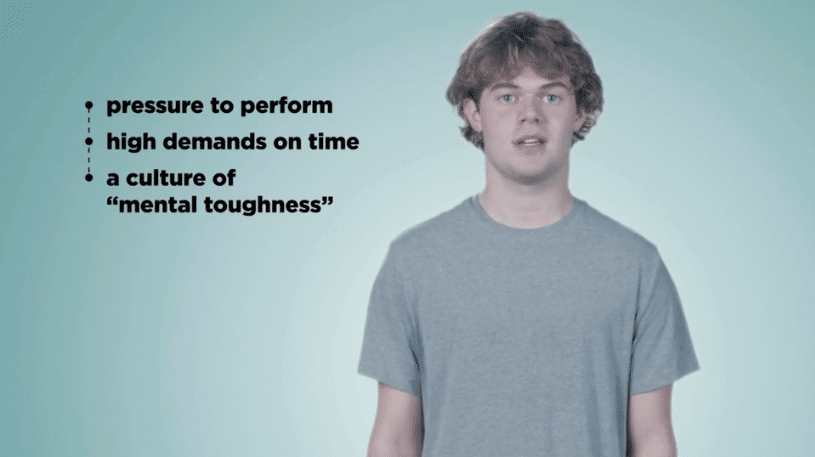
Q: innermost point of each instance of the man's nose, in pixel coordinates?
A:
(530, 111)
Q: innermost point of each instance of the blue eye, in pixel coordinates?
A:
(557, 97)
(507, 98)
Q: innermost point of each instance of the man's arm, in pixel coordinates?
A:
(649, 424)
(399, 427)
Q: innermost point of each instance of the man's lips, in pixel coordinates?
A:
(530, 140)
(530, 145)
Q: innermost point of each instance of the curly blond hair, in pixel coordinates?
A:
(504, 49)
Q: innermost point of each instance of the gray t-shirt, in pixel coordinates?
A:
(524, 342)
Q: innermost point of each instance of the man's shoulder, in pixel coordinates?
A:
(438, 230)
(605, 232)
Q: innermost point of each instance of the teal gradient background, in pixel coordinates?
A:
(226, 335)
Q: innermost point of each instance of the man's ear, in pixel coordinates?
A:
(579, 119)
(472, 114)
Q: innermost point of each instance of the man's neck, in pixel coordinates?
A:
(525, 208)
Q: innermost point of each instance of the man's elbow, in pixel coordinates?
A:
(395, 448)
(655, 446)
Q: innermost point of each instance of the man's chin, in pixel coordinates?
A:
(529, 179)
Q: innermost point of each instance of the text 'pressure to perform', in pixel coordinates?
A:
(281, 106)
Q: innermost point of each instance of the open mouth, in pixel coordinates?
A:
(530, 141)
(530, 145)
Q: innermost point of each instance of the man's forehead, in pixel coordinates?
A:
(542, 80)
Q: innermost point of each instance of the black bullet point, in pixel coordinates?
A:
(88, 141)
(89, 177)
(88, 105)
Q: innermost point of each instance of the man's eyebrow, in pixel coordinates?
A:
(509, 85)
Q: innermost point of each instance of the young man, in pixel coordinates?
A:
(524, 322)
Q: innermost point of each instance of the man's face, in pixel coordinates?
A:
(527, 125)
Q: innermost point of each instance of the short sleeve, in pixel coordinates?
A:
(390, 342)
(662, 351)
